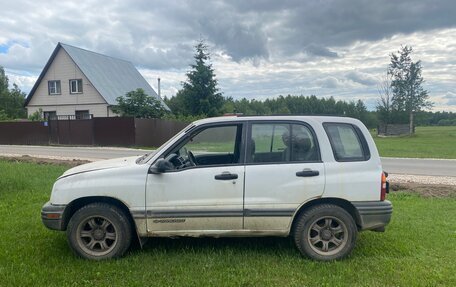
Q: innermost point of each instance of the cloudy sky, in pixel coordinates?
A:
(260, 49)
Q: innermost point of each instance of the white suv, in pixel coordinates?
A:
(317, 179)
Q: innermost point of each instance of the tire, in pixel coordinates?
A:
(325, 232)
(99, 231)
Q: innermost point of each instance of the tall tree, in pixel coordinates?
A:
(406, 83)
(199, 94)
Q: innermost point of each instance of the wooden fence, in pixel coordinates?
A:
(114, 131)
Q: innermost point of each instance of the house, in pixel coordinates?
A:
(80, 83)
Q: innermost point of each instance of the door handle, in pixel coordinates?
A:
(226, 176)
(307, 173)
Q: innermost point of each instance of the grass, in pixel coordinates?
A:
(418, 249)
(428, 142)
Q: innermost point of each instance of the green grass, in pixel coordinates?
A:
(418, 249)
(428, 142)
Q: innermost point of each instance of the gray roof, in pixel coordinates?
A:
(111, 77)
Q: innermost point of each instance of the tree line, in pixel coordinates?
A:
(300, 105)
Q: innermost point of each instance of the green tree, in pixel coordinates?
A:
(408, 94)
(11, 101)
(139, 105)
(199, 94)
(16, 103)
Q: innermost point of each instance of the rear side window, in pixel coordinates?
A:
(347, 142)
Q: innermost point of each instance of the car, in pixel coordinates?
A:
(316, 179)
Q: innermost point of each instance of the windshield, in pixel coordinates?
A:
(149, 155)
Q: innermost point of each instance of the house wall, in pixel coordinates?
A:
(99, 110)
(64, 69)
(111, 113)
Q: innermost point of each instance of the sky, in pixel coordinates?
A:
(260, 49)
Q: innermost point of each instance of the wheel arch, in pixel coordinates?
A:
(78, 203)
(345, 204)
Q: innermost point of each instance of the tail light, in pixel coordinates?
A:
(384, 187)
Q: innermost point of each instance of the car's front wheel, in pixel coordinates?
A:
(325, 232)
(99, 231)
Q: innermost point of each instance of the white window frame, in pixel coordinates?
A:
(54, 84)
(77, 91)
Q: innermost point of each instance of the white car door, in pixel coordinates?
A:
(202, 192)
(283, 171)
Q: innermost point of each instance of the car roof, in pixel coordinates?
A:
(310, 118)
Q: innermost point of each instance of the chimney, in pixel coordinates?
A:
(159, 91)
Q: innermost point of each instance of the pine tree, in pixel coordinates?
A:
(199, 94)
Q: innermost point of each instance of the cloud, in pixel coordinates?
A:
(158, 35)
(362, 78)
(317, 50)
(340, 23)
(450, 99)
(259, 48)
(24, 82)
(329, 83)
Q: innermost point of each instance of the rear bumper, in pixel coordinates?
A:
(373, 214)
(52, 216)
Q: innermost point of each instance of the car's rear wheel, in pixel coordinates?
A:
(325, 232)
(99, 231)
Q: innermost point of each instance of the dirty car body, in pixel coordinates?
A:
(317, 179)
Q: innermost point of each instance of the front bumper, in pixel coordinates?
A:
(52, 216)
(373, 214)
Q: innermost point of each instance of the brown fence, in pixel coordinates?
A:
(71, 132)
(97, 131)
(27, 133)
(154, 132)
(114, 131)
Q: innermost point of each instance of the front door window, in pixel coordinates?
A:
(211, 146)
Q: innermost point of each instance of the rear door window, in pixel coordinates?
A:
(347, 142)
(282, 142)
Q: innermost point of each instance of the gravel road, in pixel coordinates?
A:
(438, 180)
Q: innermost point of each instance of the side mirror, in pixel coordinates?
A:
(161, 166)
